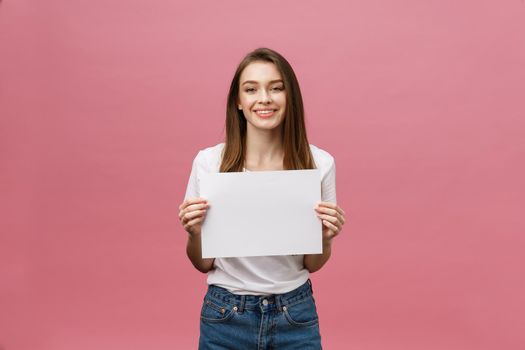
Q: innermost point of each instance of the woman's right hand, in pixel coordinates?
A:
(192, 213)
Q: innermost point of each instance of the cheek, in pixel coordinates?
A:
(247, 100)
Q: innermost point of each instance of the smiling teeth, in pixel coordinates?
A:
(265, 112)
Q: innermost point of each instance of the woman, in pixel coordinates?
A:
(261, 302)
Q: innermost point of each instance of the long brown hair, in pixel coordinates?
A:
(297, 153)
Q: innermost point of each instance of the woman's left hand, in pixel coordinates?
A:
(333, 218)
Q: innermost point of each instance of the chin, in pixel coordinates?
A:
(266, 126)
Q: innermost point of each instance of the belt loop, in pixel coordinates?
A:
(310, 284)
(278, 302)
(243, 300)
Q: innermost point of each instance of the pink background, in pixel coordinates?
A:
(103, 106)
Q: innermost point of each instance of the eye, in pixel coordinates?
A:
(249, 89)
(278, 88)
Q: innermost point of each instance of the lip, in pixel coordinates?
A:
(267, 115)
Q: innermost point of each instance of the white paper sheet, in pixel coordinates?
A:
(261, 213)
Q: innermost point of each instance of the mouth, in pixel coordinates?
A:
(265, 113)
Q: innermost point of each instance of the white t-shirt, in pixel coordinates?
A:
(259, 275)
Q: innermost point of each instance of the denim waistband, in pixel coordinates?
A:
(253, 301)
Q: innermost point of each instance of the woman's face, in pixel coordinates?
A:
(261, 95)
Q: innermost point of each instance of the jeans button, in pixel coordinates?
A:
(265, 302)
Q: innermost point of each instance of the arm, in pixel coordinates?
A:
(333, 219)
(314, 262)
(191, 215)
(194, 252)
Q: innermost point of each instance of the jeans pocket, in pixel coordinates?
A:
(301, 314)
(215, 311)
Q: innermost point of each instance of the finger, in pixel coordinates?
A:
(326, 210)
(189, 216)
(341, 218)
(192, 223)
(198, 206)
(194, 214)
(192, 208)
(183, 204)
(182, 213)
(190, 201)
(332, 206)
(330, 218)
(333, 220)
(327, 204)
(339, 210)
(331, 227)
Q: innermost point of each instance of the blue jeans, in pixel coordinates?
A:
(245, 322)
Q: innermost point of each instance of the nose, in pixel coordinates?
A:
(265, 97)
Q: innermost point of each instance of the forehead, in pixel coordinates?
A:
(261, 72)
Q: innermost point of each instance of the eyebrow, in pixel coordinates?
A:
(254, 82)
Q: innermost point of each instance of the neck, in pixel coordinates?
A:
(264, 148)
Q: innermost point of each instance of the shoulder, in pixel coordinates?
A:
(323, 160)
(209, 158)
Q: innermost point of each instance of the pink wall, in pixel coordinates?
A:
(103, 105)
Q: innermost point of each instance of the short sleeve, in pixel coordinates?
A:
(328, 183)
(193, 190)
